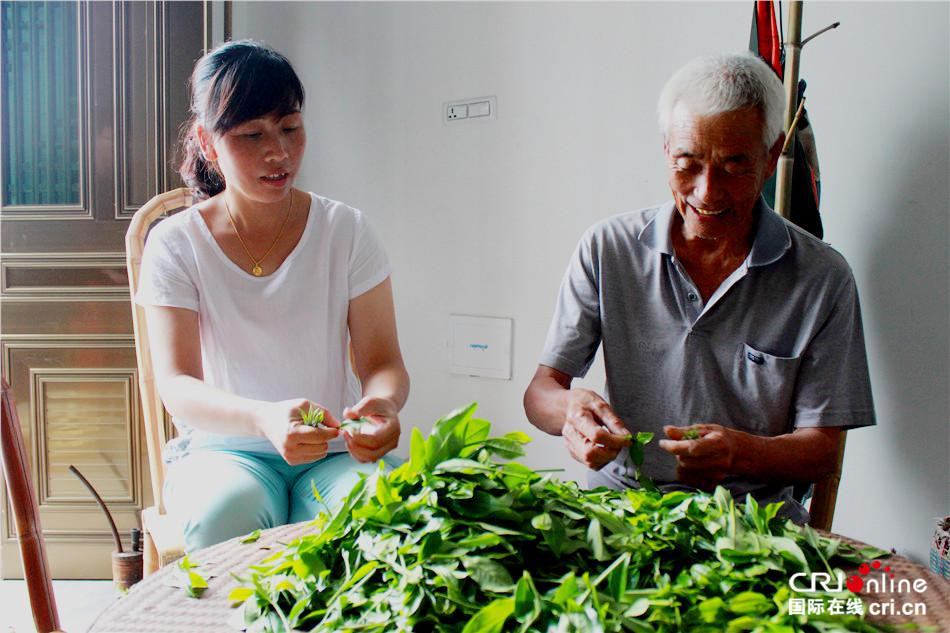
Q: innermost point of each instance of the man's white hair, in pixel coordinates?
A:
(724, 83)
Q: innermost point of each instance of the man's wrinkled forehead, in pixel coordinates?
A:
(684, 125)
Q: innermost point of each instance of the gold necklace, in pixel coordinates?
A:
(257, 271)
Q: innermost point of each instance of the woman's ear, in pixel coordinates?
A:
(205, 143)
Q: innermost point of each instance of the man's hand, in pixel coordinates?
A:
(806, 454)
(705, 460)
(592, 431)
(297, 443)
(377, 437)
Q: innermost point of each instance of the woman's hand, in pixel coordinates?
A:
(376, 437)
(297, 443)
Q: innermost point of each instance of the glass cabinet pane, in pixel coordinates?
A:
(40, 99)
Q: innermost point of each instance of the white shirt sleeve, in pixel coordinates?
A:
(369, 265)
(164, 278)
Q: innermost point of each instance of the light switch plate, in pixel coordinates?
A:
(480, 346)
(469, 110)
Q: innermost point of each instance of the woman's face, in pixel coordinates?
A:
(259, 158)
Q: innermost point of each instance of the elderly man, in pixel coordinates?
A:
(715, 314)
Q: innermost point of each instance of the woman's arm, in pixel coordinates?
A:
(176, 356)
(379, 365)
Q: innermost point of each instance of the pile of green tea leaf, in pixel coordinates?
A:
(454, 541)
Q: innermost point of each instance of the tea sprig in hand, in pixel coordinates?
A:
(312, 416)
(351, 425)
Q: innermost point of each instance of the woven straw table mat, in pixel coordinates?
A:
(153, 606)
(936, 597)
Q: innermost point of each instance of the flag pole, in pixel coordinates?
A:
(793, 49)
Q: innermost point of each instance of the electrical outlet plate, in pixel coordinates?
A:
(474, 109)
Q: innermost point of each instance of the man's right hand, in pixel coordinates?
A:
(297, 443)
(592, 431)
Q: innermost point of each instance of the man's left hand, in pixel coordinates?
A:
(376, 437)
(706, 460)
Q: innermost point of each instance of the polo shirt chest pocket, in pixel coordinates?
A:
(766, 385)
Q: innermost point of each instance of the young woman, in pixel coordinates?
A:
(253, 298)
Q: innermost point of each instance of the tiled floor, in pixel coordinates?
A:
(78, 603)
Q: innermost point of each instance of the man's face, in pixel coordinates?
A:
(717, 166)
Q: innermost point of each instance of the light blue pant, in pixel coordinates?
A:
(221, 494)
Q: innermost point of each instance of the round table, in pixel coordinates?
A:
(153, 606)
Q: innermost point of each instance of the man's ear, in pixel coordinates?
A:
(775, 152)
(205, 143)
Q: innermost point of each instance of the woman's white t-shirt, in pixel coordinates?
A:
(268, 338)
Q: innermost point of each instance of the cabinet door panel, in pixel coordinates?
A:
(94, 95)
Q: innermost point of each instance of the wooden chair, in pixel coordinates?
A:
(825, 493)
(164, 537)
(16, 472)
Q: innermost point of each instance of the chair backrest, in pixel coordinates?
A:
(26, 514)
(153, 413)
(825, 495)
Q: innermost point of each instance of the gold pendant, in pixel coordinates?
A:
(257, 271)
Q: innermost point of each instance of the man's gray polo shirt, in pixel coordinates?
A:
(777, 347)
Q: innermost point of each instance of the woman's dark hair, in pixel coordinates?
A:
(234, 83)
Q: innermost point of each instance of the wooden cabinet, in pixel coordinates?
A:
(94, 96)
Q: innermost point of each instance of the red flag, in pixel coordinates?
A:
(766, 39)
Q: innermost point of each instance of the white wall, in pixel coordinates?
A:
(480, 217)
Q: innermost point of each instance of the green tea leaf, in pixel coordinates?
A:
(618, 578)
(506, 448)
(313, 416)
(638, 608)
(541, 521)
(252, 537)
(490, 575)
(191, 581)
(240, 594)
(566, 590)
(196, 585)
(491, 618)
(711, 609)
(417, 451)
(789, 550)
(431, 546)
(749, 602)
(518, 436)
(595, 539)
(527, 601)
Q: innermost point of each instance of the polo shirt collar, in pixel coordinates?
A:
(771, 237)
(656, 234)
(769, 244)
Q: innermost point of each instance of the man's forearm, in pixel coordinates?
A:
(804, 455)
(545, 403)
